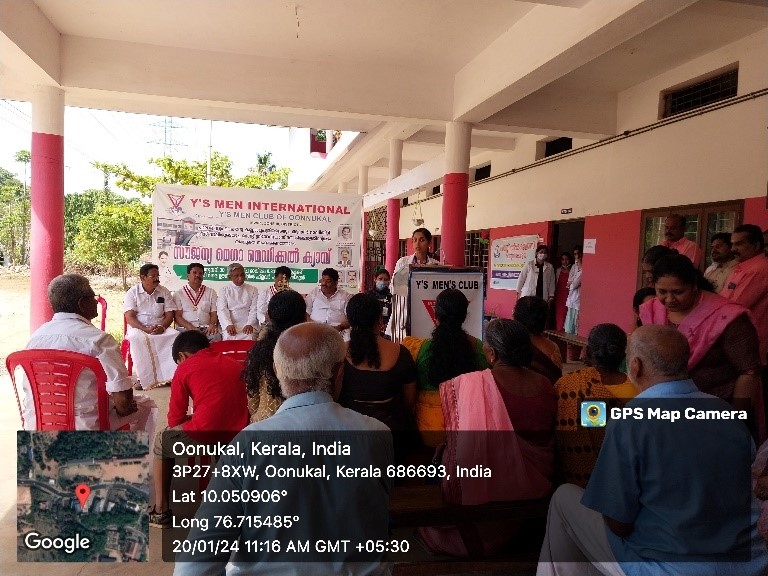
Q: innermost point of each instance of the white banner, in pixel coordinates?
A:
(508, 256)
(428, 282)
(261, 229)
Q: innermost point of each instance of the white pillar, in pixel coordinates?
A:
(362, 180)
(328, 140)
(342, 187)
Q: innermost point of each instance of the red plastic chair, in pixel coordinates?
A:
(52, 375)
(235, 349)
(103, 306)
(125, 348)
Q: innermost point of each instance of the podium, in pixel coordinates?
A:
(417, 304)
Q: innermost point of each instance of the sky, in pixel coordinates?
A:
(119, 137)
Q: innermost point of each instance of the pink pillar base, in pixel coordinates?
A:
(393, 234)
(47, 226)
(454, 229)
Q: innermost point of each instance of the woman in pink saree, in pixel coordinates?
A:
(725, 359)
(502, 419)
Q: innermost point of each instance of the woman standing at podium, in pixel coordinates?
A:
(421, 239)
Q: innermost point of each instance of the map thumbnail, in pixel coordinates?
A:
(82, 496)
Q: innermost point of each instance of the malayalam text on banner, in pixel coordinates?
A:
(261, 229)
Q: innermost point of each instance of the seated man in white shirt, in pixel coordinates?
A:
(282, 278)
(149, 310)
(327, 304)
(237, 306)
(74, 306)
(196, 305)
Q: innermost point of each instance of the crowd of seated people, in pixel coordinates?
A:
(511, 382)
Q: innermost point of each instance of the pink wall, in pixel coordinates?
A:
(756, 211)
(503, 301)
(609, 279)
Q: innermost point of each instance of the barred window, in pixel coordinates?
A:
(700, 94)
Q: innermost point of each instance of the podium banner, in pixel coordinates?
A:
(508, 257)
(427, 282)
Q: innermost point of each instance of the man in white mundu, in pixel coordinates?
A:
(74, 306)
(196, 305)
(237, 306)
(149, 312)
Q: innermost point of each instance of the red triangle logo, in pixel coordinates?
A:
(430, 306)
(175, 199)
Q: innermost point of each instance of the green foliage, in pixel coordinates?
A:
(115, 235)
(76, 206)
(14, 218)
(23, 156)
(101, 445)
(263, 175)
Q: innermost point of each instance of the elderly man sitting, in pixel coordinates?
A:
(666, 496)
(74, 306)
(149, 310)
(308, 358)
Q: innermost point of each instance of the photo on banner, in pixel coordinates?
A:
(508, 257)
(261, 229)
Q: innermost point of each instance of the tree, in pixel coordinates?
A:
(14, 218)
(25, 157)
(195, 173)
(76, 206)
(265, 174)
(115, 235)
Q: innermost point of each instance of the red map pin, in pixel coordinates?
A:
(82, 491)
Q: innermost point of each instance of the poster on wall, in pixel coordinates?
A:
(508, 257)
(261, 229)
(428, 281)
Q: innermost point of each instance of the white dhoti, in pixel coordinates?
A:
(153, 362)
(240, 334)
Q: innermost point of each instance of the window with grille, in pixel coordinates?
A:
(713, 89)
(702, 222)
(476, 253)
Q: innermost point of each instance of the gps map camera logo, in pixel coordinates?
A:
(593, 414)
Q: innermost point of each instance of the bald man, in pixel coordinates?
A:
(666, 497)
(308, 358)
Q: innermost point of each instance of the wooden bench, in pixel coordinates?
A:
(563, 340)
(417, 506)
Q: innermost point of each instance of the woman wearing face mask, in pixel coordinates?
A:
(537, 278)
(382, 293)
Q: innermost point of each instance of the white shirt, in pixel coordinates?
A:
(69, 331)
(237, 306)
(399, 285)
(148, 310)
(206, 305)
(328, 310)
(265, 296)
(526, 284)
(574, 292)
